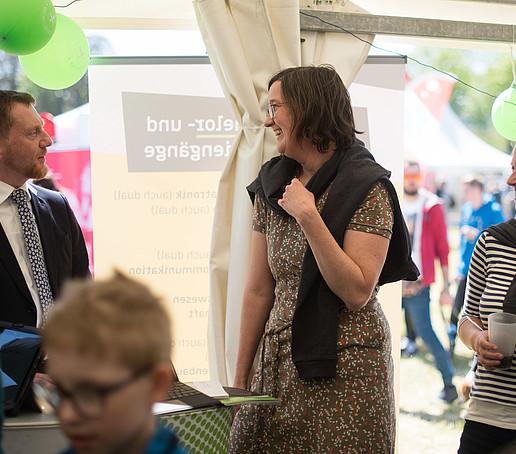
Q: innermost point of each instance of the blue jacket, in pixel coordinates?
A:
(488, 214)
(163, 442)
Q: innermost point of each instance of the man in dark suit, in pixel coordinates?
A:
(23, 146)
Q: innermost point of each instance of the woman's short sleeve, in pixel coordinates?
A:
(259, 215)
(375, 214)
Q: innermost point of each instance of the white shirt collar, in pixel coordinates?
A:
(6, 189)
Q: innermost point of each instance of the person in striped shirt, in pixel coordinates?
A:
(490, 425)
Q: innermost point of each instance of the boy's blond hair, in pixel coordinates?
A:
(117, 317)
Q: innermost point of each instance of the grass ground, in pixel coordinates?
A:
(426, 424)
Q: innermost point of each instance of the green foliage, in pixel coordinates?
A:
(9, 70)
(489, 72)
(57, 101)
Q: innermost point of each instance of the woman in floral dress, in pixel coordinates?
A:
(327, 231)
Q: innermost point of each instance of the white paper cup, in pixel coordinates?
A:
(502, 332)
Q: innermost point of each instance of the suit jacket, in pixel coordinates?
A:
(64, 250)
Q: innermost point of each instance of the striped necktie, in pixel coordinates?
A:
(34, 250)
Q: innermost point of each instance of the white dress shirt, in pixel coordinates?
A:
(10, 221)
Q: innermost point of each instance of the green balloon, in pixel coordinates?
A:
(26, 25)
(503, 113)
(63, 61)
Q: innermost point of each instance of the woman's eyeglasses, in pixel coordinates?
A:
(271, 109)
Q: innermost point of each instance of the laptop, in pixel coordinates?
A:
(20, 356)
(183, 394)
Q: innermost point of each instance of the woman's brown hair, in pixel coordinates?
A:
(320, 105)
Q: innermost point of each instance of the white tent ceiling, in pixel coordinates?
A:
(500, 12)
(179, 15)
(131, 14)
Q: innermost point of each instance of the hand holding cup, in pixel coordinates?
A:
(502, 333)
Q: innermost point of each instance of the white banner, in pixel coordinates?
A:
(161, 131)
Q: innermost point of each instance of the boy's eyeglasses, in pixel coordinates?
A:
(271, 109)
(87, 400)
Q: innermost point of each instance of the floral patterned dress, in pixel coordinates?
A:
(352, 413)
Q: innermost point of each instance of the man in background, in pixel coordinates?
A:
(426, 223)
(479, 211)
(41, 244)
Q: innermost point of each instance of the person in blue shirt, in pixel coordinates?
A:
(108, 356)
(479, 211)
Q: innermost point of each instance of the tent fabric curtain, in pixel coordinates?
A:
(248, 41)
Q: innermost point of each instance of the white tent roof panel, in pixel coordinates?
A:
(133, 14)
(474, 11)
(179, 14)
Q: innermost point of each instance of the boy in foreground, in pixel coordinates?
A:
(108, 352)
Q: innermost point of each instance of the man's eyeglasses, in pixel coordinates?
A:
(412, 176)
(87, 400)
(271, 109)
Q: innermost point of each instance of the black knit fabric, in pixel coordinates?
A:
(505, 232)
(352, 173)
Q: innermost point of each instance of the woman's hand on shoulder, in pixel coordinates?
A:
(298, 201)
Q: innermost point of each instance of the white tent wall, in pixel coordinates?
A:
(444, 146)
(73, 129)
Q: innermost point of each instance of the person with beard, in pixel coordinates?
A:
(490, 425)
(41, 243)
(426, 223)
